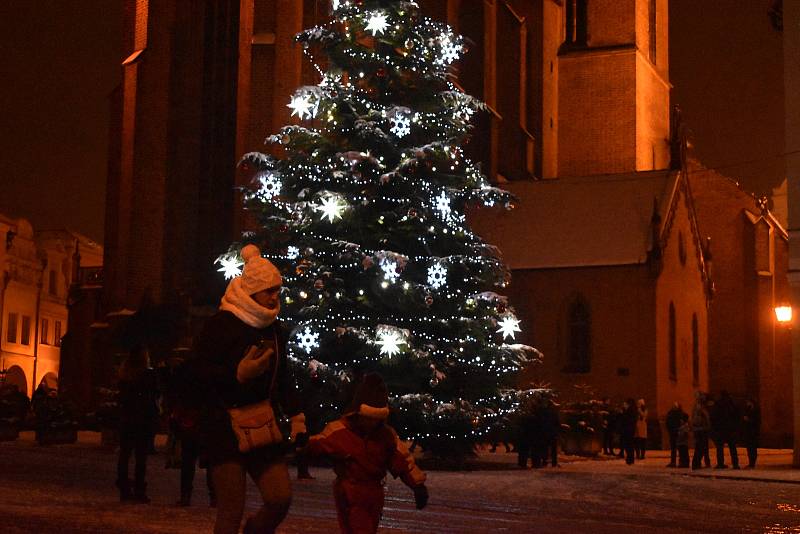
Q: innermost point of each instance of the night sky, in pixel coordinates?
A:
(60, 59)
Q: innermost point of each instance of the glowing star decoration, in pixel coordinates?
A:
(308, 340)
(401, 125)
(443, 204)
(389, 269)
(302, 107)
(377, 23)
(508, 326)
(292, 253)
(390, 341)
(270, 185)
(437, 275)
(330, 208)
(231, 266)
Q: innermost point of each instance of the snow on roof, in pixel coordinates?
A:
(578, 222)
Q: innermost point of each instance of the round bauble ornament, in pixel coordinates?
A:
(434, 382)
(380, 73)
(285, 139)
(412, 213)
(428, 300)
(367, 262)
(409, 44)
(319, 284)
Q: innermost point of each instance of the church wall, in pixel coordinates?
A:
(680, 283)
(597, 113)
(611, 22)
(620, 300)
(748, 354)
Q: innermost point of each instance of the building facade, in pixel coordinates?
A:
(36, 270)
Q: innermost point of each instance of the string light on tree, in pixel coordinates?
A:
(508, 326)
(231, 266)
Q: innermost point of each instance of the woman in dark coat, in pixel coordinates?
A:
(138, 415)
(628, 420)
(238, 351)
(751, 428)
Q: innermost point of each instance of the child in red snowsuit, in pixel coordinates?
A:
(363, 448)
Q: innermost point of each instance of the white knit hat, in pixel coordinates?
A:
(258, 273)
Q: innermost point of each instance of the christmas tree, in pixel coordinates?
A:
(364, 213)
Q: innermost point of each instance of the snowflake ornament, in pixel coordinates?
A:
(377, 23)
(401, 125)
(508, 325)
(292, 253)
(308, 340)
(231, 266)
(443, 204)
(270, 185)
(450, 50)
(389, 269)
(437, 275)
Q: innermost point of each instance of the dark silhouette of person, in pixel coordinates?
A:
(751, 429)
(628, 421)
(674, 422)
(725, 420)
(138, 414)
(701, 426)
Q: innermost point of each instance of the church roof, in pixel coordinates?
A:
(578, 222)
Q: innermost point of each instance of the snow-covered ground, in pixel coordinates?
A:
(69, 489)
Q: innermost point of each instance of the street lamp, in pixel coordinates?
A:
(783, 313)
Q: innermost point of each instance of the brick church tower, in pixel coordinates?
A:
(613, 88)
(200, 88)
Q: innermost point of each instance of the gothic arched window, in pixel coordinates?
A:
(579, 336)
(577, 22)
(673, 344)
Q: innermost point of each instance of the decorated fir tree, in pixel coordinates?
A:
(364, 213)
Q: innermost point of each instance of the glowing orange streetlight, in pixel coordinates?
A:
(783, 314)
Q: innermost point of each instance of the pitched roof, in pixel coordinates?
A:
(578, 222)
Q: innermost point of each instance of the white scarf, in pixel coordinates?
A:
(238, 302)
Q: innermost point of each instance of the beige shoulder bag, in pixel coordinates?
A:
(254, 425)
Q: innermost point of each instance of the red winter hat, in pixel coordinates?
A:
(371, 398)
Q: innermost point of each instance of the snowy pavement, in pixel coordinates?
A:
(69, 489)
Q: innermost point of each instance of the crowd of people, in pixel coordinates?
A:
(719, 420)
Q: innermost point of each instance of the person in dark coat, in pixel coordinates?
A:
(725, 419)
(609, 426)
(751, 428)
(550, 427)
(184, 400)
(138, 415)
(628, 420)
(674, 422)
(701, 426)
(241, 361)
(682, 440)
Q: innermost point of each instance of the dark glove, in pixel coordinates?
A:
(301, 440)
(421, 496)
